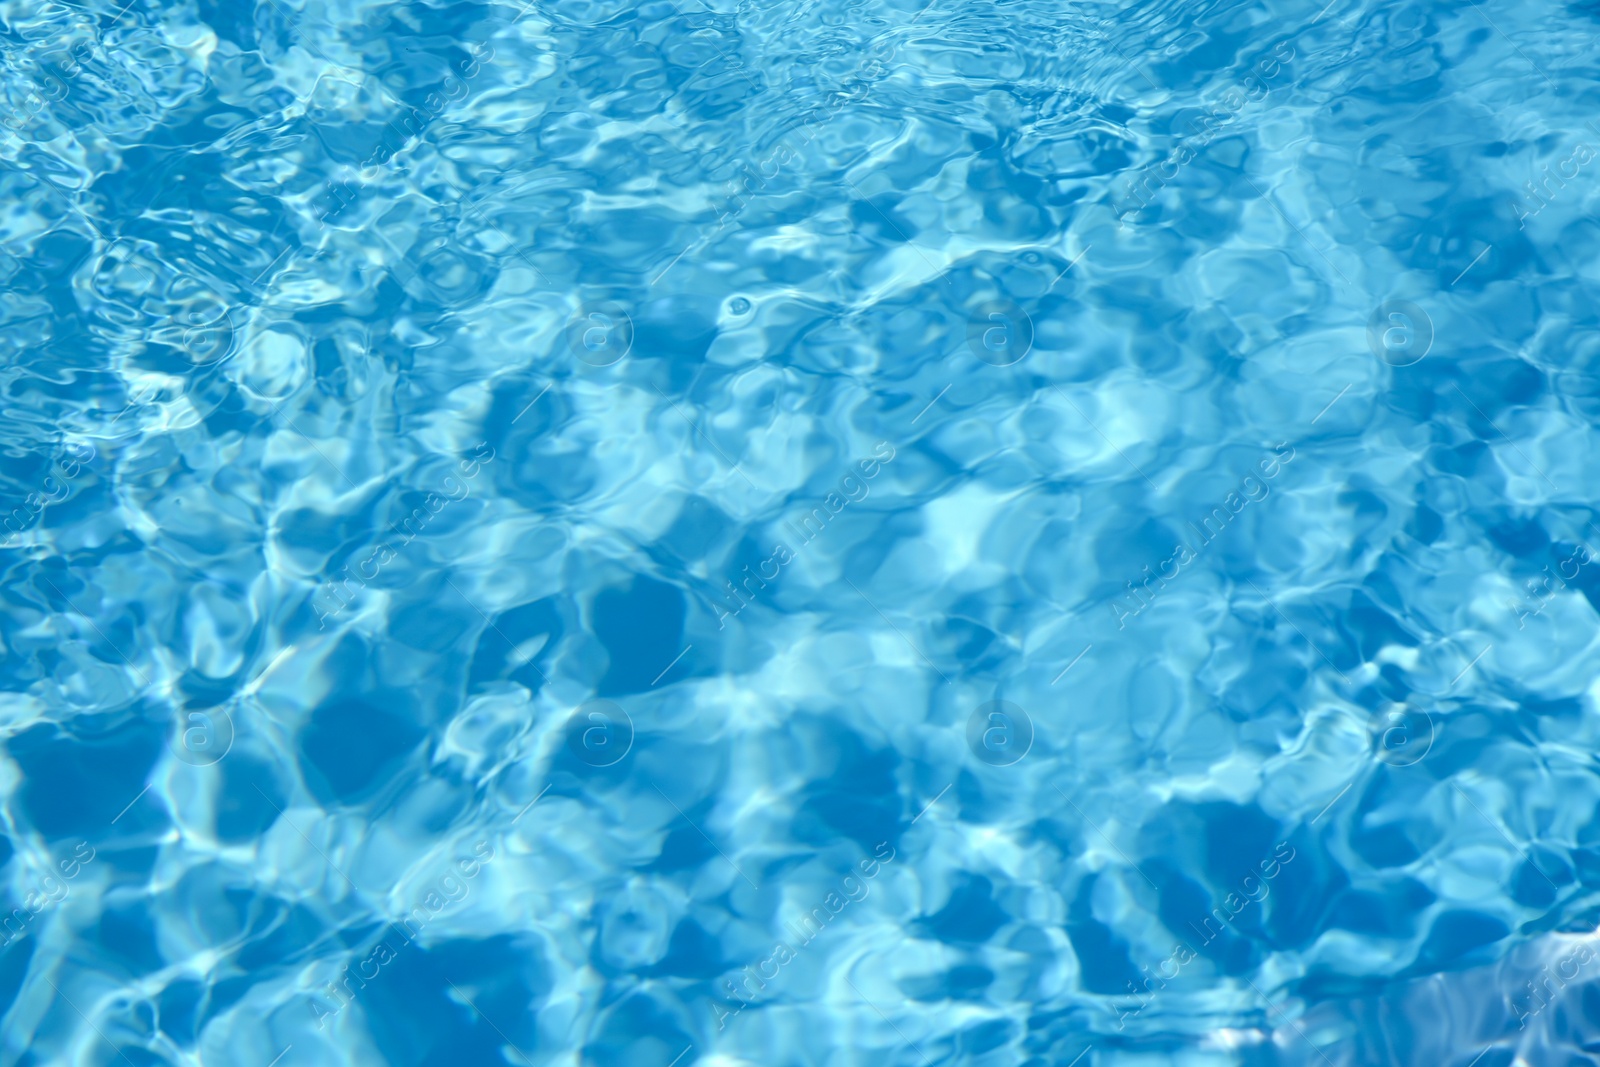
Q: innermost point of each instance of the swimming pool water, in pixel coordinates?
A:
(833, 532)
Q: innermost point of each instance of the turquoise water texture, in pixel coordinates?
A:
(803, 534)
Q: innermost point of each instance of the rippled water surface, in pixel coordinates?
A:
(645, 534)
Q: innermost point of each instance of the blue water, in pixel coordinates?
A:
(818, 533)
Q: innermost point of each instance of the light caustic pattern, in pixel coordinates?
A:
(837, 532)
